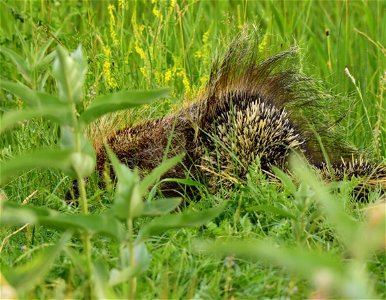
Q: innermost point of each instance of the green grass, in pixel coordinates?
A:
(149, 45)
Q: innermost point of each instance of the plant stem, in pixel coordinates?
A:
(84, 208)
(86, 236)
(133, 280)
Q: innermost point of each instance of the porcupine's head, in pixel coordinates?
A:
(262, 108)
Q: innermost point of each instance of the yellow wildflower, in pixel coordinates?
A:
(122, 4)
(111, 82)
(205, 36)
(144, 73)
(186, 83)
(263, 43)
(137, 30)
(172, 5)
(155, 10)
(113, 34)
(198, 54)
(141, 28)
(140, 51)
(168, 76)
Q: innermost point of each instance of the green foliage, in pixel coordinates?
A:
(331, 276)
(77, 159)
(296, 244)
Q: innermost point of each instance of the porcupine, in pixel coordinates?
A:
(251, 108)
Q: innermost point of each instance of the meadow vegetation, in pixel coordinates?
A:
(68, 68)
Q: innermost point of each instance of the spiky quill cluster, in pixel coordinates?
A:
(251, 109)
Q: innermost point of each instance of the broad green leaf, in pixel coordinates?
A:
(69, 72)
(101, 287)
(11, 118)
(48, 100)
(160, 206)
(297, 259)
(19, 61)
(186, 219)
(119, 101)
(285, 179)
(155, 174)
(32, 98)
(45, 60)
(83, 161)
(27, 276)
(83, 164)
(14, 214)
(274, 210)
(40, 159)
(326, 270)
(182, 181)
(126, 270)
(128, 198)
(20, 90)
(93, 224)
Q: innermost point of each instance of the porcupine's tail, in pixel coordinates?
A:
(373, 174)
(255, 107)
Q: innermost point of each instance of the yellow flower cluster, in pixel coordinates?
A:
(122, 4)
(186, 83)
(263, 43)
(168, 76)
(171, 6)
(111, 82)
(177, 71)
(155, 9)
(203, 51)
(140, 51)
(113, 34)
(138, 30)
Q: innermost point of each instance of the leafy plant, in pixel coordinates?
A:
(331, 274)
(76, 158)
